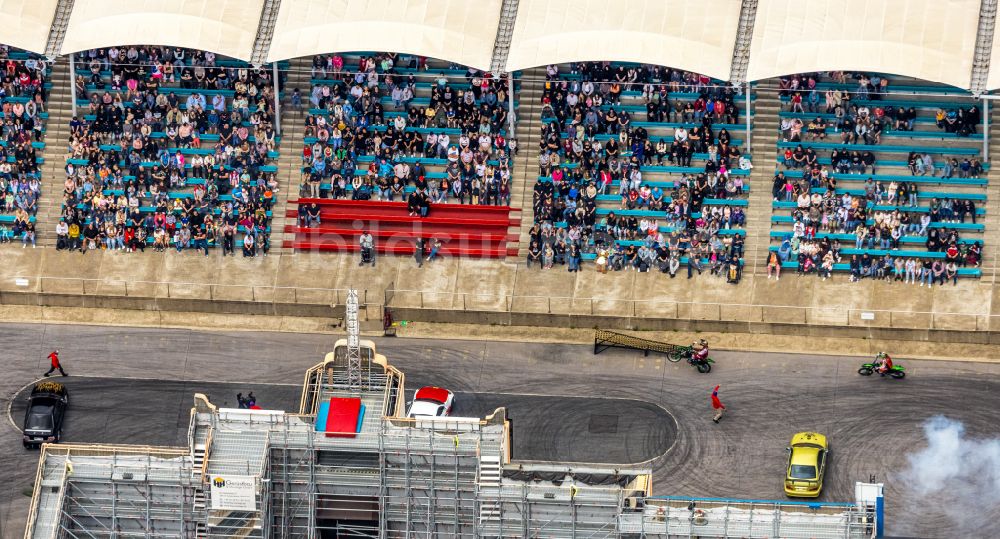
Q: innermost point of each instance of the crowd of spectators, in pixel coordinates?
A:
(818, 255)
(805, 96)
(144, 140)
(590, 148)
(22, 91)
(881, 217)
(367, 115)
(961, 121)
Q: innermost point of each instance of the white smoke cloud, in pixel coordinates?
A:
(960, 474)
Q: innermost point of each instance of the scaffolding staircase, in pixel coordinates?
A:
(488, 485)
(199, 453)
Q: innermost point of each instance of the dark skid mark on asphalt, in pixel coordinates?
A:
(565, 429)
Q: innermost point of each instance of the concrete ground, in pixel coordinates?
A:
(874, 424)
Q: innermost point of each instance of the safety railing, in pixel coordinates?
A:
(191, 290)
(501, 303)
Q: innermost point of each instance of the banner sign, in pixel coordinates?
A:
(234, 492)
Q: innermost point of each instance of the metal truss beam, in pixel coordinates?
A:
(265, 30)
(57, 32)
(741, 49)
(984, 46)
(505, 31)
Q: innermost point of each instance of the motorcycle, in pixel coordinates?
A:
(686, 352)
(703, 367)
(896, 371)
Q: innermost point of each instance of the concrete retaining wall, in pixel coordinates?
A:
(494, 292)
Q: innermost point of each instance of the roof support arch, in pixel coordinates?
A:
(984, 46)
(741, 48)
(505, 31)
(265, 31)
(57, 32)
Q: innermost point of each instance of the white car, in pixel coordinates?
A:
(431, 402)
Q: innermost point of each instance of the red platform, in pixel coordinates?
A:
(342, 418)
(463, 229)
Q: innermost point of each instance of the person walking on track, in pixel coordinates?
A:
(54, 359)
(717, 405)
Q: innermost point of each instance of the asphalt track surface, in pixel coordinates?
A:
(873, 424)
(157, 412)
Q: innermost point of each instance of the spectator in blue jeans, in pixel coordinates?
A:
(926, 275)
(573, 257)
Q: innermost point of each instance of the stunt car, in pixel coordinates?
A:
(43, 420)
(431, 402)
(806, 465)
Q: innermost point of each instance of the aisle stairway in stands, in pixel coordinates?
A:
(991, 236)
(766, 123)
(290, 162)
(525, 171)
(60, 108)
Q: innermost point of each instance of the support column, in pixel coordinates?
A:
(984, 46)
(277, 98)
(986, 130)
(511, 119)
(746, 91)
(741, 49)
(72, 80)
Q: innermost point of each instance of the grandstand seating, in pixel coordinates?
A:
(174, 150)
(355, 176)
(678, 198)
(921, 170)
(23, 91)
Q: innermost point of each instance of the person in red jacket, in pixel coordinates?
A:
(54, 359)
(717, 405)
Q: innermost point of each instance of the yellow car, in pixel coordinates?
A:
(806, 465)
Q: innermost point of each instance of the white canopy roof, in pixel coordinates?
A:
(462, 31)
(27, 23)
(695, 36)
(223, 26)
(928, 39)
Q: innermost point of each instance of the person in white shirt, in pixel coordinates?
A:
(430, 144)
(444, 141)
(680, 134)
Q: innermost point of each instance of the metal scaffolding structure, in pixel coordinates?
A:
(393, 478)
(353, 340)
(112, 492)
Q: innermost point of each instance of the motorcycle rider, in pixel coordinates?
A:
(883, 363)
(699, 351)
